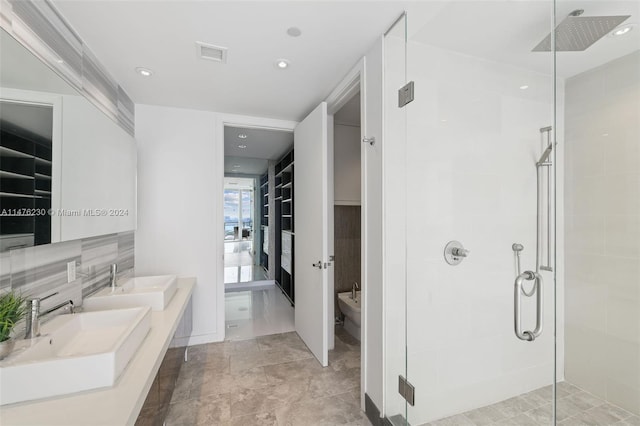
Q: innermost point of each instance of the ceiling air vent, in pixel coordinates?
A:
(211, 52)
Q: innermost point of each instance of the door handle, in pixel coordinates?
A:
(317, 264)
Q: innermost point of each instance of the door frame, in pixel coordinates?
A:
(354, 81)
(249, 122)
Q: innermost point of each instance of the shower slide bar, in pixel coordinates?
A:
(546, 162)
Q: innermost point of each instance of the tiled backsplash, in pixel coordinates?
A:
(42, 270)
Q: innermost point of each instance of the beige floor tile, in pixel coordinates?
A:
(333, 382)
(251, 401)
(261, 419)
(211, 383)
(245, 361)
(294, 370)
(333, 410)
(202, 411)
(278, 341)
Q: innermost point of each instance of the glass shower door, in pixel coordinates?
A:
(395, 135)
(479, 164)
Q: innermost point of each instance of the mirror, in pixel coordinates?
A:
(67, 171)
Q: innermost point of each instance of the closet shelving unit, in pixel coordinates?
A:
(25, 186)
(264, 221)
(284, 216)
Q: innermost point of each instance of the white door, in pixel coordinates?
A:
(311, 224)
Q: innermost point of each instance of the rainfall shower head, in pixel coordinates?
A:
(576, 33)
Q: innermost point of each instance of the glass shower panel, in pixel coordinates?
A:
(481, 290)
(599, 99)
(395, 222)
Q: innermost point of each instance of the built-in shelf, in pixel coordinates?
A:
(15, 195)
(12, 153)
(25, 184)
(12, 175)
(42, 161)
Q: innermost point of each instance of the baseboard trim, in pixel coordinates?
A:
(372, 411)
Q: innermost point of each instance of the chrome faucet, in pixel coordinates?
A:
(34, 314)
(354, 287)
(113, 272)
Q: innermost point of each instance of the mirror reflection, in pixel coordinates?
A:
(25, 174)
(58, 154)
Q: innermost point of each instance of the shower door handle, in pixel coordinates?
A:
(518, 291)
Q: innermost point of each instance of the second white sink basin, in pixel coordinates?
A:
(155, 292)
(75, 353)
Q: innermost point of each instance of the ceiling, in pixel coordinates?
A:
(506, 31)
(161, 35)
(260, 145)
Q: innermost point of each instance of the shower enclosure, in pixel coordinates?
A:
(513, 149)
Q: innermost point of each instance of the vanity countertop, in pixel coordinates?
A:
(117, 405)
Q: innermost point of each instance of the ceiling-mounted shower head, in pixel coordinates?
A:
(576, 33)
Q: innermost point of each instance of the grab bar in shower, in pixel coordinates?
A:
(518, 291)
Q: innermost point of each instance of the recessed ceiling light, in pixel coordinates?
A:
(625, 29)
(294, 31)
(242, 136)
(145, 72)
(282, 63)
(524, 87)
(242, 146)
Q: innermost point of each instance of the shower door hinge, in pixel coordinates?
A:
(406, 390)
(405, 94)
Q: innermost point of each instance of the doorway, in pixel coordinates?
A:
(254, 302)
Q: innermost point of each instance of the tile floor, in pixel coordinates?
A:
(269, 380)
(239, 263)
(250, 314)
(575, 408)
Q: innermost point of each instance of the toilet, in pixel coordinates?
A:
(351, 310)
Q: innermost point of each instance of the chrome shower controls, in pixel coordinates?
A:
(454, 252)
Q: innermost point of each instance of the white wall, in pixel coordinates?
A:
(346, 154)
(603, 231)
(180, 212)
(469, 175)
(177, 205)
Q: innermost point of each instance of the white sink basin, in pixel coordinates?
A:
(75, 353)
(155, 292)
